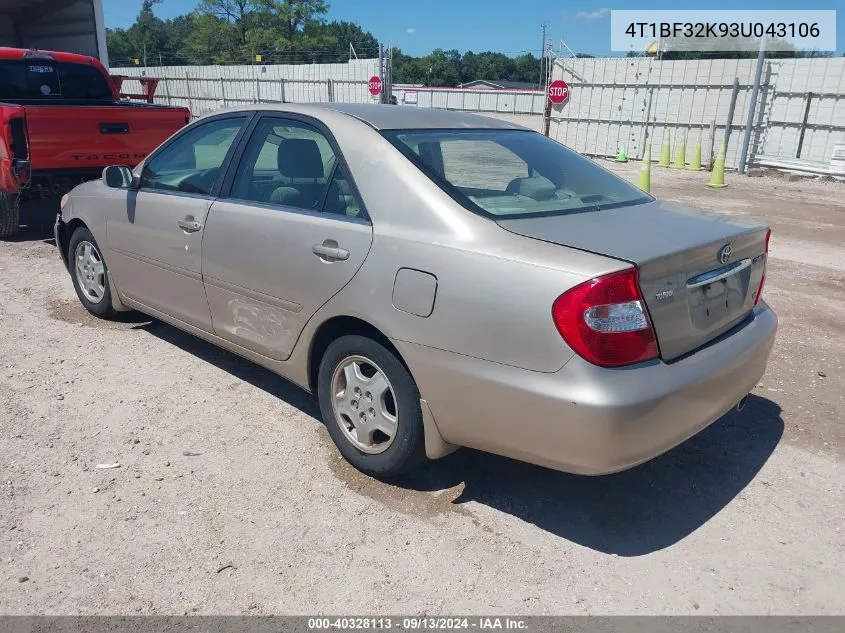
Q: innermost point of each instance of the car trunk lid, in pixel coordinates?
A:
(699, 272)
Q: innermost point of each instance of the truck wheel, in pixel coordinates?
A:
(90, 274)
(10, 221)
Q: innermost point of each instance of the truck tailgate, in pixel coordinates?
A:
(96, 136)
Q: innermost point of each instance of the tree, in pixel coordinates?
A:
(236, 12)
(341, 35)
(527, 68)
(293, 31)
(147, 35)
(291, 15)
(214, 40)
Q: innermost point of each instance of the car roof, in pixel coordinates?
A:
(388, 117)
(396, 117)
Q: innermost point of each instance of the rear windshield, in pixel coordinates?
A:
(50, 81)
(514, 173)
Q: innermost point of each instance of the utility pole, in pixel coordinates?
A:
(543, 54)
(145, 54)
(388, 87)
(752, 108)
(381, 70)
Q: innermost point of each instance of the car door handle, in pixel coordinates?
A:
(189, 225)
(329, 251)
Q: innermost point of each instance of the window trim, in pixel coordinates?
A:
(392, 137)
(229, 178)
(247, 117)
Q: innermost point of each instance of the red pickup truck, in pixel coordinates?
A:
(61, 122)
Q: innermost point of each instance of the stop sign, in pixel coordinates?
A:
(558, 91)
(374, 85)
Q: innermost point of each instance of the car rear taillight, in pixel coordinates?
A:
(765, 264)
(604, 320)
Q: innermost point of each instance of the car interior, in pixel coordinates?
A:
(292, 168)
(191, 167)
(507, 177)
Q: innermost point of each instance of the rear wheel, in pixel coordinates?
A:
(370, 405)
(89, 274)
(10, 219)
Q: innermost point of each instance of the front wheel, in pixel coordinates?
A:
(89, 274)
(370, 405)
(10, 219)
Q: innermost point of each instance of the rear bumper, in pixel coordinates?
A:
(588, 419)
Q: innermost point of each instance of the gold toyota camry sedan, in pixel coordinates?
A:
(437, 279)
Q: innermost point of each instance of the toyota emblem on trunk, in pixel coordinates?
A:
(725, 253)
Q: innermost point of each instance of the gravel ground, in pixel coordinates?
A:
(231, 499)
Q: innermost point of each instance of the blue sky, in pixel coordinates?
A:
(509, 26)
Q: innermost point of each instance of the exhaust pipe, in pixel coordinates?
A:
(742, 403)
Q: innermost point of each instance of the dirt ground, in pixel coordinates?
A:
(231, 499)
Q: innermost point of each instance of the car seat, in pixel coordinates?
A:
(301, 164)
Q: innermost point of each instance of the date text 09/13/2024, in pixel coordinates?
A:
(416, 623)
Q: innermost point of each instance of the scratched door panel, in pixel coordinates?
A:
(262, 278)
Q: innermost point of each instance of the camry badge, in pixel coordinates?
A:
(725, 253)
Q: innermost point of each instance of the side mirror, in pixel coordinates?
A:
(119, 177)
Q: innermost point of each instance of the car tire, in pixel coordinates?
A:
(362, 382)
(90, 274)
(10, 219)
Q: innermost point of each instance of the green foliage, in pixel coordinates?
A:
(450, 68)
(292, 31)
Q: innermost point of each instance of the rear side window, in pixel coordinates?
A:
(292, 164)
(47, 80)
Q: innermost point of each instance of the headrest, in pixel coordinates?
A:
(535, 187)
(300, 158)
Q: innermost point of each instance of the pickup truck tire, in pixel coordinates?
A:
(90, 274)
(10, 219)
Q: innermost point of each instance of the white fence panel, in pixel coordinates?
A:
(206, 89)
(627, 102)
(613, 102)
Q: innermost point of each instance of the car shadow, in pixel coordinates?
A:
(233, 364)
(633, 513)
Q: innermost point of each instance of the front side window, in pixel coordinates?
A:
(513, 173)
(288, 163)
(192, 162)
